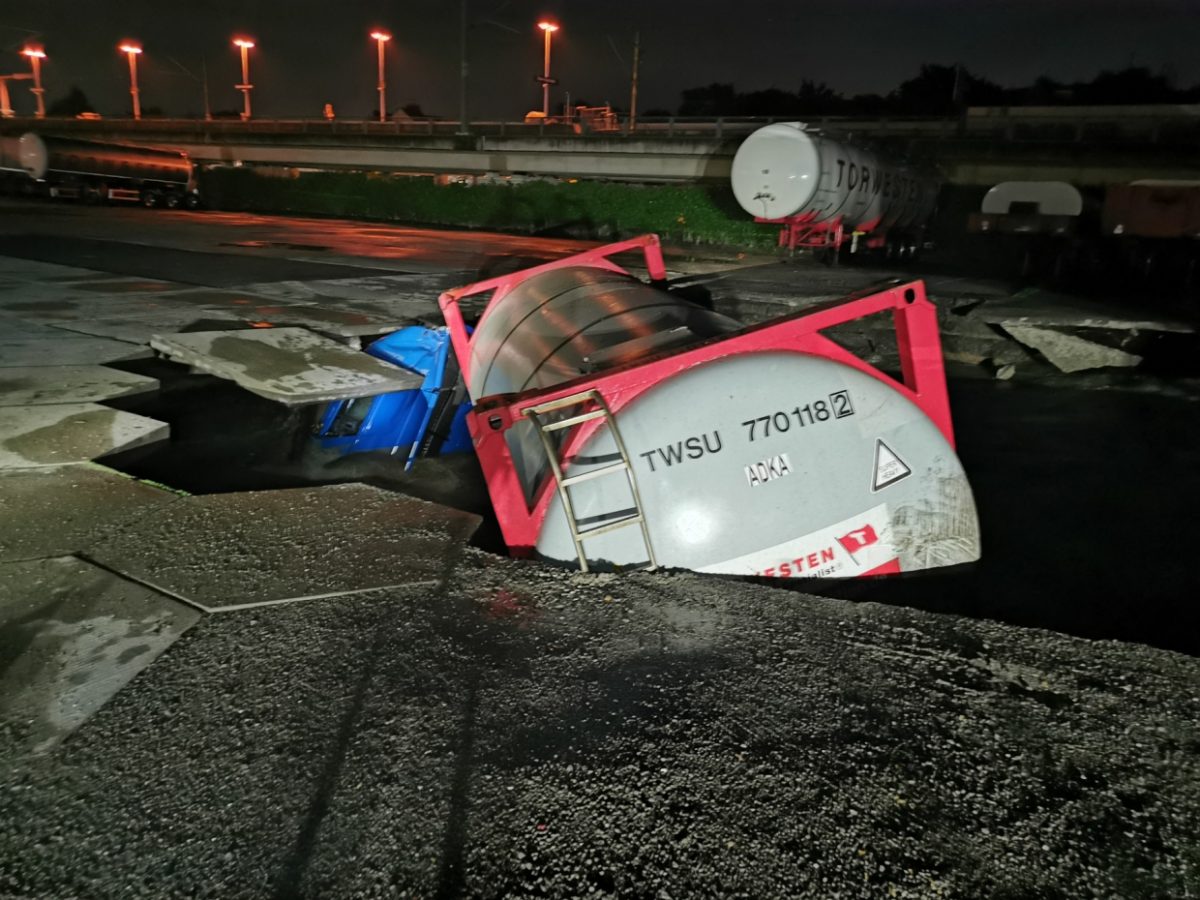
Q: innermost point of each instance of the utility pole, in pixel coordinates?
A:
(204, 71)
(132, 50)
(245, 44)
(381, 38)
(637, 46)
(548, 28)
(462, 75)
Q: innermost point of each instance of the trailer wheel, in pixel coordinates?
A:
(192, 200)
(173, 200)
(150, 199)
(93, 194)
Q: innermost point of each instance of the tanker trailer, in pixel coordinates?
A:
(96, 172)
(620, 425)
(10, 160)
(825, 192)
(13, 178)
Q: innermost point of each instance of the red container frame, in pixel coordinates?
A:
(521, 521)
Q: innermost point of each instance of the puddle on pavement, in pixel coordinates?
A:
(269, 245)
(130, 287)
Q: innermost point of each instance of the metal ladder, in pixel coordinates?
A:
(534, 413)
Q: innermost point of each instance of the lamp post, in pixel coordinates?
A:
(132, 50)
(245, 87)
(381, 38)
(549, 28)
(36, 55)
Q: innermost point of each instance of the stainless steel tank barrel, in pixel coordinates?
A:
(570, 322)
(578, 320)
(42, 155)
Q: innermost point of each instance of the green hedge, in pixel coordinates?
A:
(678, 213)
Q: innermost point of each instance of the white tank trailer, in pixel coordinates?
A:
(97, 171)
(1029, 207)
(824, 191)
(619, 424)
(10, 159)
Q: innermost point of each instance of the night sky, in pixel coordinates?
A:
(311, 52)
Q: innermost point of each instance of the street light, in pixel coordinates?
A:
(36, 55)
(132, 50)
(549, 28)
(245, 87)
(381, 38)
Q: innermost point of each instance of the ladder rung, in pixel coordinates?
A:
(596, 473)
(611, 526)
(574, 420)
(562, 402)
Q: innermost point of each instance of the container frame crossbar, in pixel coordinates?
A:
(521, 517)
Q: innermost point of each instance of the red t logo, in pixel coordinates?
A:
(859, 538)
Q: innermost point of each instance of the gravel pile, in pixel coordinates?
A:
(523, 731)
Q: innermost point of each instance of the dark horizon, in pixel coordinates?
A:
(306, 56)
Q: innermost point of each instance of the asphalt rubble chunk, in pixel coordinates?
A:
(522, 730)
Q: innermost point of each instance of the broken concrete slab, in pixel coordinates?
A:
(1069, 353)
(63, 309)
(141, 327)
(997, 348)
(70, 432)
(66, 349)
(290, 365)
(51, 304)
(1046, 308)
(423, 286)
(236, 301)
(73, 635)
(41, 385)
(14, 327)
(391, 296)
(336, 323)
(57, 511)
(227, 551)
(14, 267)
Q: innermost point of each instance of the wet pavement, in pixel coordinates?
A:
(58, 433)
(515, 732)
(421, 717)
(228, 551)
(39, 385)
(72, 634)
(58, 510)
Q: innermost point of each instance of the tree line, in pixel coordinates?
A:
(937, 90)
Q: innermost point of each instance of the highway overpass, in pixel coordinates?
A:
(1084, 145)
